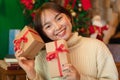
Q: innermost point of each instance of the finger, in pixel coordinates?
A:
(71, 67)
(18, 53)
(67, 67)
(21, 60)
(68, 70)
(67, 76)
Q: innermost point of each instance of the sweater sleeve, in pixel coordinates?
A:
(38, 77)
(41, 66)
(106, 68)
(105, 64)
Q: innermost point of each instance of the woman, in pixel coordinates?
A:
(90, 58)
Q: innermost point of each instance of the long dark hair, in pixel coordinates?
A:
(37, 20)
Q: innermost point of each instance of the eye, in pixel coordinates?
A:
(59, 17)
(47, 27)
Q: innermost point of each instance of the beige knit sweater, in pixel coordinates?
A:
(90, 57)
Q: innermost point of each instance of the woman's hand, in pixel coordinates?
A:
(70, 73)
(26, 64)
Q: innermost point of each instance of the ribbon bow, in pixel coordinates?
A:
(92, 29)
(101, 29)
(52, 55)
(17, 42)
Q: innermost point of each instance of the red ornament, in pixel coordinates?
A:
(33, 15)
(68, 1)
(28, 4)
(86, 4)
(82, 30)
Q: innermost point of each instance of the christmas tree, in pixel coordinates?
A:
(78, 9)
(80, 16)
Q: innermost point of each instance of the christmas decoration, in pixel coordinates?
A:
(97, 28)
(80, 15)
(30, 7)
(83, 11)
(109, 11)
(86, 4)
(29, 4)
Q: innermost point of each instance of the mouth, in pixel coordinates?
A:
(61, 32)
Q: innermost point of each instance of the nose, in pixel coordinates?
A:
(57, 26)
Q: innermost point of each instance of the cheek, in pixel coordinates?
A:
(48, 33)
(67, 22)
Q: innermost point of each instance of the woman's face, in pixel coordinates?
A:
(56, 25)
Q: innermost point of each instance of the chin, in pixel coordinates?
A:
(66, 37)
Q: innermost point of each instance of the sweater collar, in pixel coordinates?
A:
(73, 39)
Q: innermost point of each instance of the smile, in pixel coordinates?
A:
(61, 32)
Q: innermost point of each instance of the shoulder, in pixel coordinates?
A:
(91, 41)
(94, 44)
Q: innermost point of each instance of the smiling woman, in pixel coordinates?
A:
(90, 58)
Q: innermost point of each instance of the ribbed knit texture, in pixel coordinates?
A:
(90, 57)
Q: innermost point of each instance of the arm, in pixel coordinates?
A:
(38, 77)
(41, 66)
(33, 68)
(106, 66)
(26, 64)
(103, 64)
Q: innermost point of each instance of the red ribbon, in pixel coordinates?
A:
(92, 29)
(17, 42)
(52, 55)
(100, 30)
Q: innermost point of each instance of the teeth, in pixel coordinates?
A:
(60, 33)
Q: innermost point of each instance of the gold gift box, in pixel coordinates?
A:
(29, 41)
(57, 55)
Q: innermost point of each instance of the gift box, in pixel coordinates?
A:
(57, 55)
(29, 41)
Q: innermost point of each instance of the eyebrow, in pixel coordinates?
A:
(57, 15)
(54, 18)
